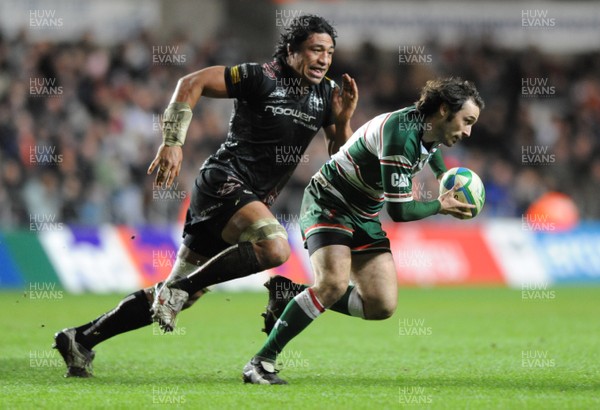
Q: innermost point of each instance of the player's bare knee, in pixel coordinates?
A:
(379, 310)
(379, 314)
(272, 252)
(270, 241)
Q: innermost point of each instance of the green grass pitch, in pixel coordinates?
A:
(475, 348)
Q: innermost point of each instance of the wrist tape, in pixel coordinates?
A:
(176, 120)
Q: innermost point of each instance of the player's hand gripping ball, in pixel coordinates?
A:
(471, 190)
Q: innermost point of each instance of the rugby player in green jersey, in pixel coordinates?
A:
(340, 210)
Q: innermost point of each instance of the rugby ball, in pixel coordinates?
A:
(471, 190)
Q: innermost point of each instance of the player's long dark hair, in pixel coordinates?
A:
(453, 91)
(298, 31)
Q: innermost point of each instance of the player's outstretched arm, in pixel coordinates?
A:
(343, 106)
(415, 210)
(209, 82)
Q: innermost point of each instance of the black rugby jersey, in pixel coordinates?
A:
(274, 119)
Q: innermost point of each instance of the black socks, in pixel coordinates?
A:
(132, 313)
(234, 262)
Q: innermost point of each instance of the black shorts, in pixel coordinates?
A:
(216, 196)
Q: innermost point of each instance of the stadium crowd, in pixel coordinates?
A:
(80, 123)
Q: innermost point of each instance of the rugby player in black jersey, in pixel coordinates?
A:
(229, 230)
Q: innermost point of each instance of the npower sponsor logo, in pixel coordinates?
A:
(290, 112)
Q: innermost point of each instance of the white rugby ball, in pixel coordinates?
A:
(471, 190)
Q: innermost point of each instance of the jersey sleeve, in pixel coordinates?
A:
(436, 163)
(396, 168)
(413, 210)
(245, 81)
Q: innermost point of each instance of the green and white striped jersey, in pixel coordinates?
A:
(378, 162)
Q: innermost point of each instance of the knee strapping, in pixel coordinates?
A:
(266, 228)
